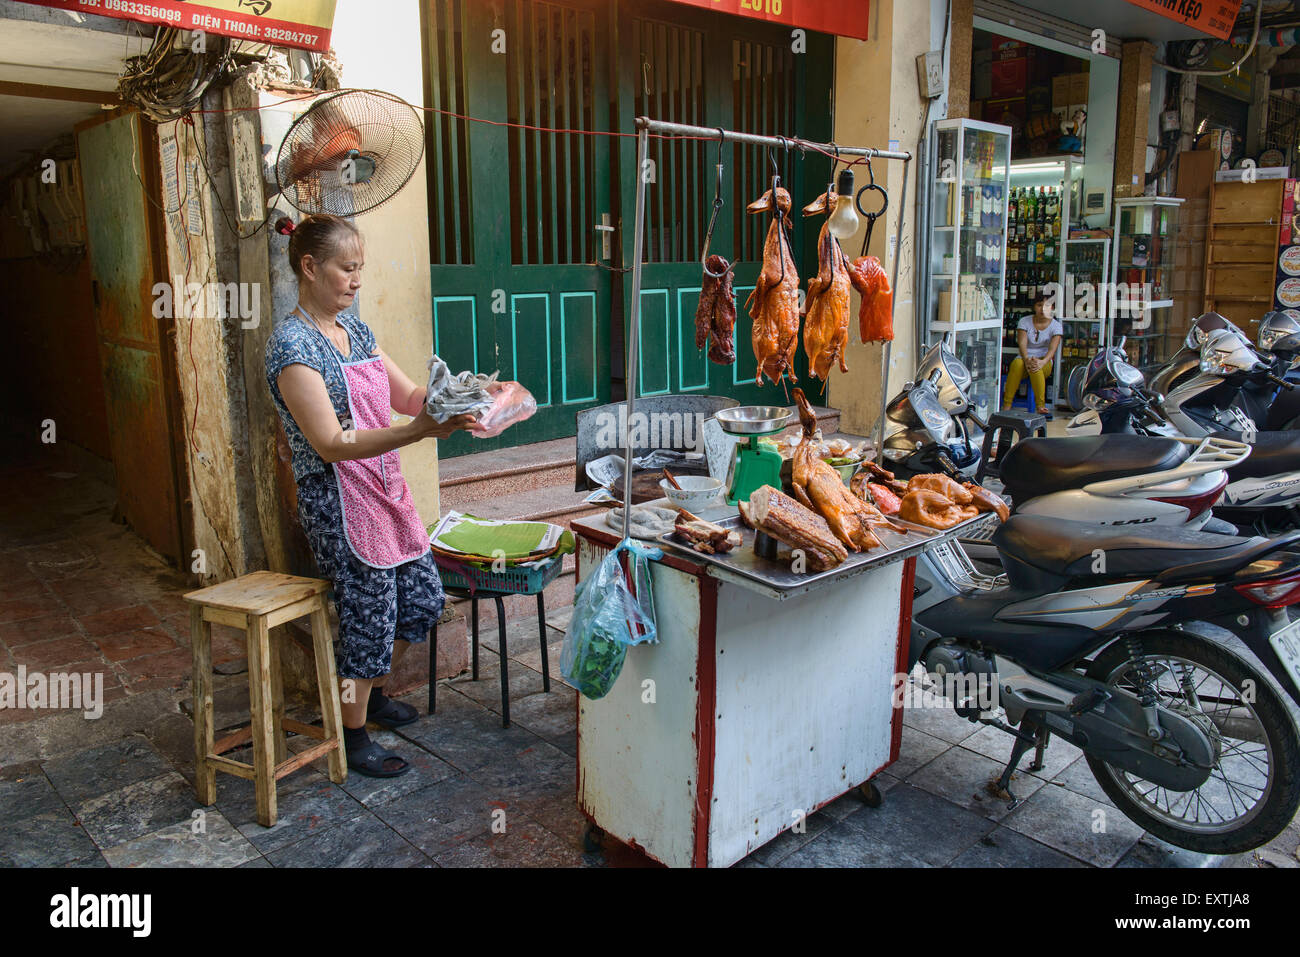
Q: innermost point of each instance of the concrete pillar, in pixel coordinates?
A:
(1134, 117)
(877, 101)
(962, 35)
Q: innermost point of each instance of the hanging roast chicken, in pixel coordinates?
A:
(774, 303)
(826, 310)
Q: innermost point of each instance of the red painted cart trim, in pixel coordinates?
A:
(906, 591)
(706, 673)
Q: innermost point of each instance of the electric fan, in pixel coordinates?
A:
(350, 153)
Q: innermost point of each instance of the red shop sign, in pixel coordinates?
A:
(1214, 17)
(285, 23)
(824, 16)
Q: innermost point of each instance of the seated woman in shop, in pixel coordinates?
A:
(1038, 337)
(335, 391)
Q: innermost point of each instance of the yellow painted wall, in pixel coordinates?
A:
(383, 52)
(876, 101)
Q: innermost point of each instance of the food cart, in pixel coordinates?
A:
(768, 696)
(769, 692)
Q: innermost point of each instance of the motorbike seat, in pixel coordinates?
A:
(1166, 553)
(1271, 453)
(1036, 467)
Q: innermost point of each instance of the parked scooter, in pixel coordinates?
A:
(1107, 480)
(930, 425)
(1279, 342)
(1263, 491)
(1089, 637)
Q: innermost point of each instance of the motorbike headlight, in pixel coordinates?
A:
(1216, 363)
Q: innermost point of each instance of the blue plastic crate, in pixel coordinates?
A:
(514, 580)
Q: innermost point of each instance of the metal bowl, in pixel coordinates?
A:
(753, 419)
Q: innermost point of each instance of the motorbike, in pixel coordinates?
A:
(1109, 480)
(1263, 490)
(930, 425)
(1090, 636)
(1279, 343)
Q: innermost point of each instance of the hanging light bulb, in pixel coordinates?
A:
(844, 221)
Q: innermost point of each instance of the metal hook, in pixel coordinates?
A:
(870, 217)
(717, 205)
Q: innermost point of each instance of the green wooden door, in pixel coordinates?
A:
(513, 212)
(714, 70)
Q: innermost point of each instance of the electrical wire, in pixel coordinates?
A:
(1259, 12)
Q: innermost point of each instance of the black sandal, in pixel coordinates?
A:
(394, 714)
(370, 760)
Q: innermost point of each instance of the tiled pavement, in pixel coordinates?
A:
(77, 592)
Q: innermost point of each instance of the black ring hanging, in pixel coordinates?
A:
(717, 205)
(871, 217)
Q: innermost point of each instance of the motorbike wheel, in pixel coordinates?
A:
(1254, 790)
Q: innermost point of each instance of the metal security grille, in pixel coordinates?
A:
(1283, 131)
(551, 177)
(670, 83)
(763, 86)
(451, 241)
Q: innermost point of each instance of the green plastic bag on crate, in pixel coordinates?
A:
(607, 618)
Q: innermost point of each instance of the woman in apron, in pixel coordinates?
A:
(335, 391)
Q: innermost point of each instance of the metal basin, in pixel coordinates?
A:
(753, 419)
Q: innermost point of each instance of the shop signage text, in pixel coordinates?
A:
(1214, 17)
(824, 16)
(285, 23)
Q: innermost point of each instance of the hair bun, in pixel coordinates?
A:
(284, 226)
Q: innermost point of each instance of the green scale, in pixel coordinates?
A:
(754, 464)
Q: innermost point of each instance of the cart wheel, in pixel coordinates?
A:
(591, 838)
(871, 795)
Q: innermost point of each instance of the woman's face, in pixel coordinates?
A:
(335, 281)
(1043, 309)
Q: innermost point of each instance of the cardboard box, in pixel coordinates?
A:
(1078, 88)
(1060, 91)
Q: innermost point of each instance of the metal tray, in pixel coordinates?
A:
(779, 580)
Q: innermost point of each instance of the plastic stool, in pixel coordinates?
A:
(996, 443)
(474, 596)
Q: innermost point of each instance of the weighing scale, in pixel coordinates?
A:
(754, 464)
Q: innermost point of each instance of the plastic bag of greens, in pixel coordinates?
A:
(607, 618)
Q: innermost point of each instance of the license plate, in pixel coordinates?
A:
(1287, 645)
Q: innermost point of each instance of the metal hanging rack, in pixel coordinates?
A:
(644, 128)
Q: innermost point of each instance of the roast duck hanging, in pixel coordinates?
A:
(826, 308)
(774, 303)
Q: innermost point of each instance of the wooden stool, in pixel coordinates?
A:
(256, 603)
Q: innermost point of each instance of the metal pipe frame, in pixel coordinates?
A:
(644, 128)
(785, 142)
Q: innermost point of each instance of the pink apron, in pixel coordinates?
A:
(382, 526)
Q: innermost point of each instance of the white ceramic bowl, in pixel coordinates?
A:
(696, 492)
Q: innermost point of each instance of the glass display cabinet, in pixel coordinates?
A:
(966, 268)
(1139, 301)
(1042, 211)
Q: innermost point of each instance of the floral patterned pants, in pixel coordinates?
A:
(375, 605)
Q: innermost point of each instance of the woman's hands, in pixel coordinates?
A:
(424, 426)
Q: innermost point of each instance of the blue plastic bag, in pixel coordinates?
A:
(607, 618)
